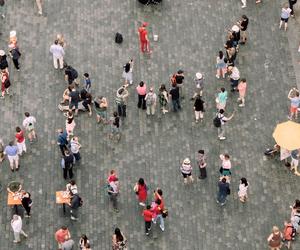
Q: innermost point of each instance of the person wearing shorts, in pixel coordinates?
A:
(74, 99)
(11, 151)
(243, 24)
(284, 17)
(186, 171)
(295, 101)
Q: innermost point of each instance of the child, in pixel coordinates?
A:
(87, 82)
(288, 234)
(284, 17)
(202, 164)
(115, 126)
(295, 101)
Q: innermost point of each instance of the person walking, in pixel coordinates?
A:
(74, 98)
(74, 205)
(221, 99)
(163, 97)
(83, 241)
(119, 242)
(141, 190)
(243, 189)
(58, 54)
(199, 85)
(178, 79)
(68, 164)
(223, 119)
(202, 164)
(75, 146)
(288, 234)
(141, 90)
(3, 59)
(62, 141)
(186, 171)
(2, 155)
(221, 65)
(150, 99)
(114, 193)
(274, 239)
(147, 214)
(87, 82)
(29, 125)
(39, 6)
(291, 5)
(15, 54)
(101, 106)
(26, 202)
(234, 76)
(115, 127)
(175, 97)
(223, 191)
(71, 74)
(242, 87)
(16, 224)
(158, 198)
(199, 108)
(121, 101)
(243, 24)
(144, 40)
(127, 73)
(62, 235)
(294, 97)
(284, 17)
(5, 83)
(20, 138)
(2, 9)
(226, 165)
(70, 125)
(11, 151)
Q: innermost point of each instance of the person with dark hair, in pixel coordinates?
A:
(74, 98)
(71, 74)
(29, 125)
(144, 40)
(62, 141)
(221, 99)
(115, 127)
(58, 55)
(87, 247)
(20, 138)
(175, 97)
(292, 3)
(243, 24)
(101, 105)
(141, 189)
(26, 202)
(179, 78)
(5, 83)
(62, 235)
(223, 191)
(113, 192)
(294, 96)
(87, 82)
(221, 65)
(119, 241)
(159, 208)
(15, 54)
(70, 125)
(242, 87)
(226, 165)
(147, 214)
(295, 207)
(243, 188)
(83, 241)
(68, 164)
(127, 72)
(3, 60)
(74, 205)
(121, 101)
(223, 120)
(163, 98)
(202, 164)
(75, 146)
(199, 108)
(71, 187)
(141, 90)
(234, 75)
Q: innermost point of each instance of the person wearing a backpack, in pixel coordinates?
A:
(58, 53)
(221, 124)
(289, 234)
(223, 191)
(141, 90)
(5, 83)
(121, 101)
(74, 204)
(151, 99)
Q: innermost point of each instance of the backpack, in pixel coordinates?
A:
(80, 201)
(149, 100)
(217, 122)
(74, 73)
(7, 83)
(118, 38)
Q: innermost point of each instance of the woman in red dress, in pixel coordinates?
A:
(141, 191)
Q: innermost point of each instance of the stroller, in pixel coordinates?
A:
(272, 152)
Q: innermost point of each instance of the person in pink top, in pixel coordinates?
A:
(141, 90)
(226, 166)
(242, 87)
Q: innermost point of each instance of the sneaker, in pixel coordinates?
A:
(3, 16)
(222, 204)
(73, 218)
(40, 13)
(217, 76)
(25, 235)
(162, 228)
(222, 138)
(15, 241)
(153, 221)
(142, 204)
(242, 105)
(217, 201)
(147, 234)
(27, 216)
(244, 6)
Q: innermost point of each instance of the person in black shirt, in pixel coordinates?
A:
(243, 24)
(292, 3)
(74, 99)
(3, 61)
(74, 205)
(71, 74)
(175, 97)
(26, 202)
(115, 126)
(199, 108)
(68, 166)
(179, 77)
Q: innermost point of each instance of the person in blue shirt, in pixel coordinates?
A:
(87, 82)
(62, 141)
(11, 151)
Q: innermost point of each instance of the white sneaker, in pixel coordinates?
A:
(15, 241)
(153, 221)
(142, 204)
(244, 6)
(73, 218)
(217, 76)
(222, 138)
(242, 105)
(26, 235)
(162, 229)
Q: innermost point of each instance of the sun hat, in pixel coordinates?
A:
(235, 28)
(186, 161)
(198, 75)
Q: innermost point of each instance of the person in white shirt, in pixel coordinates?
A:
(16, 224)
(151, 99)
(234, 75)
(58, 54)
(29, 125)
(223, 120)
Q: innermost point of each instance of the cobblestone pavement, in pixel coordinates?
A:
(190, 34)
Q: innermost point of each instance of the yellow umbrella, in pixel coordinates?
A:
(287, 135)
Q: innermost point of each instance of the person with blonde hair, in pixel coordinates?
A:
(284, 17)
(274, 239)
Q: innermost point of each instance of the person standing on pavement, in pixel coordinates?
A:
(294, 97)
(71, 74)
(62, 235)
(16, 224)
(147, 214)
(75, 146)
(141, 90)
(3, 60)
(62, 140)
(127, 73)
(72, 188)
(221, 99)
(163, 97)
(243, 24)
(26, 202)
(284, 17)
(243, 189)
(87, 82)
(144, 40)
(11, 151)
(199, 108)
(2, 156)
(223, 119)
(234, 76)
(223, 191)
(113, 192)
(15, 53)
(291, 4)
(202, 164)
(2, 9)
(119, 242)
(74, 205)
(74, 99)
(101, 106)
(175, 97)
(115, 127)
(121, 101)
(29, 125)
(68, 245)
(221, 65)
(178, 78)
(242, 87)
(199, 85)
(274, 240)
(150, 100)
(186, 171)
(58, 55)
(141, 190)
(39, 6)
(226, 165)
(83, 241)
(68, 164)
(20, 138)
(158, 198)
(5, 83)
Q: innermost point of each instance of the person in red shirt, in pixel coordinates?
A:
(20, 138)
(141, 191)
(147, 213)
(159, 208)
(144, 40)
(112, 176)
(62, 235)
(288, 234)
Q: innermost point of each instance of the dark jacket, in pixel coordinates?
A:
(223, 188)
(75, 201)
(3, 62)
